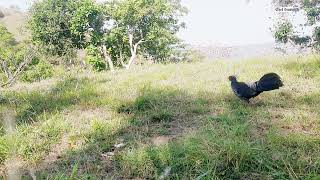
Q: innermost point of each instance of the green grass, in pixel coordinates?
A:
(65, 126)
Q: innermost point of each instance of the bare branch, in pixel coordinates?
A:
(131, 42)
(136, 46)
(12, 76)
(141, 41)
(5, 69)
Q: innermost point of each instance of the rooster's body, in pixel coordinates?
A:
(247, 91)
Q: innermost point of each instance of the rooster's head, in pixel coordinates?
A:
(232, 78)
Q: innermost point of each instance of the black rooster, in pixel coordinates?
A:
(246, 91)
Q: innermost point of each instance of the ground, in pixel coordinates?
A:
(173, 121)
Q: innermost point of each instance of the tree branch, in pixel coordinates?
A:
(131, 42)
(5, 69)
(133, 50)
(12, 76)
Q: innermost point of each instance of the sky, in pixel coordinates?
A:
(228, 22)
(217, 22)
(23, 4)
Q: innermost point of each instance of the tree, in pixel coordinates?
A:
(60, 26)
(14, 57)
(50, 26)
(120, 30)
(150, 26)
(285, 32)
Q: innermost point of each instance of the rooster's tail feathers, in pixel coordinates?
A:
(269, 82)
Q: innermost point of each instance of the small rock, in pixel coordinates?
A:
(108, 154)
(118, 146)
(166, 173)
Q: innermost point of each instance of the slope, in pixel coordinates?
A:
(175, 120)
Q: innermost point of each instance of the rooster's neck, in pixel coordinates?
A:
(234, 81)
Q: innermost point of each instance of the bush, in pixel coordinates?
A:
(283, 32)
(94, 58)
(38, 71)
(16, 57)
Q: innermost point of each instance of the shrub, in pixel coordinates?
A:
(38, 71)
(283, 32)
(15, 57)
(94, 58)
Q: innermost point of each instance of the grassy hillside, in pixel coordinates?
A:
(15, 21)
(179, 118)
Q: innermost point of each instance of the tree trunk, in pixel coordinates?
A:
(132, 59)
(107, 57)
(133, 50)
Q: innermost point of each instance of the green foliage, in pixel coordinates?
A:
(87, 20)
(60, 26)
(283, 32)
(156, 22)
(312, 10)
(50, 26)
(118, 44)
(13, 54)
(312, 13)
(316, 37)
(39, 70)
(7, 43)
(94, 58)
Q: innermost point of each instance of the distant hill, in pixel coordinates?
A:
(248, 51)
(15, 22)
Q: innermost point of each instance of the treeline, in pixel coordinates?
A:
(113, 35)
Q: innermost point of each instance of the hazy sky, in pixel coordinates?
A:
(228, 22)
(23, 4)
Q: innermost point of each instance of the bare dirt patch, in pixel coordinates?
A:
(161, 140)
